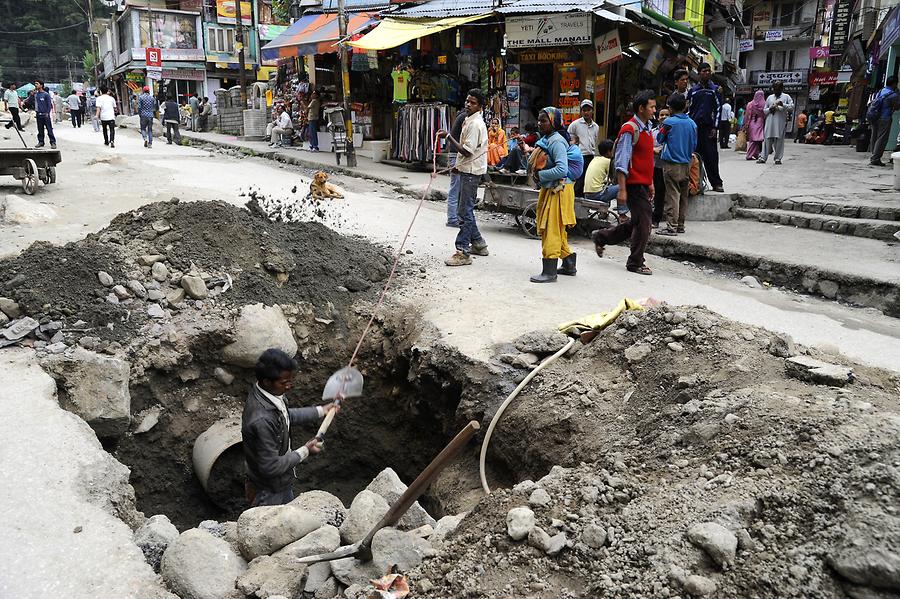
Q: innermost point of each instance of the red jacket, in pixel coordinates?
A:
(640, 171)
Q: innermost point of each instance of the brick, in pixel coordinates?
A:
(784, 219)
(816, 224)
(830, 225)
(850, 211)
(868, 212)
(863, 230)
(787, 205)
(884, 232)
(799, 221)
(772, 203)
(844, 229)
(831, 209)
(888, 214)
(812, 207)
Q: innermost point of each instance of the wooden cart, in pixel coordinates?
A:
(29, 165)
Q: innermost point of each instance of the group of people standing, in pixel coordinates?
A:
(765, 124)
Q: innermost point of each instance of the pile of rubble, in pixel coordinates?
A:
(257, 555)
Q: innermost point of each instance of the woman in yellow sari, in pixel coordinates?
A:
(549, 169)
(498, 147)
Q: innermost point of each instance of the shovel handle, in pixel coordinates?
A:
(323, 428)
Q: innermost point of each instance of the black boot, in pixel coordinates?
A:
(568, 266)
(548, 275)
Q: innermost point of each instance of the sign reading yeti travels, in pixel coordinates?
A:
(538, 31)
(788, 78)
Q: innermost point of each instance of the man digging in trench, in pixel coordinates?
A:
(266, 431)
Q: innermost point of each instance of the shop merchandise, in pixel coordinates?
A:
(401, 84)
(415, 129)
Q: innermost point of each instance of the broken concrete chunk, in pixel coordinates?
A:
(155, 311)
(257, 329)
(175, 297)
(783, 346)
(539, 539)
(870, 566)
(317, 577)
(19, 328)
(538, 498)
(105, 278)
(444, 527)
(594, 536)
(716, 540)
(390, 487)
(810, 369)
(223, 376)
(154, 537)
(699, 586)
(266, 529)
(149, 259)
(541, 342)
(637, 352)
(519, 522)
(94, 387)
(197, 565)
(365, 512)
(194, 287)
(159, 272)
(149, 419)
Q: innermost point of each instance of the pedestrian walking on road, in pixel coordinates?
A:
(172, 120)
(194, 103)
(315, 105)
(778, 105)
(556, 199)
(12, 103)
(588, 132)
(92, 110)
(106, 113)
(658, 180)
(754, 124)
(57, 106)
(880, 114)
(205, 113)
(472, 145)
(829, 125)
(802, 120)
(74, 105)
(147, 106)
(634, 175)
(453, 192)
(43, 108)
(705, 102)
(678, 136)
(725, 125)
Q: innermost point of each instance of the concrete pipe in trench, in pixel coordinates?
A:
(219, 463)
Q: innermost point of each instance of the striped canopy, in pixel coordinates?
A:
(313, 34)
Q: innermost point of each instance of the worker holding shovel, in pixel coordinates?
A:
(266, 431)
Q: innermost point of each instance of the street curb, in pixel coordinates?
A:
(854, 289)
(414, 191)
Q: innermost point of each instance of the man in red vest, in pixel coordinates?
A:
(634, 174)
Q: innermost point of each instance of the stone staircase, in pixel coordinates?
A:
(867, 220)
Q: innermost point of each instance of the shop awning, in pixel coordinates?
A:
(313, 34)
(611, 16)
(686, 31)
(391, 33)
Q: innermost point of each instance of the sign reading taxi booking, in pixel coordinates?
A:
(539, 31)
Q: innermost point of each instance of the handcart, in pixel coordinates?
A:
(29, 165)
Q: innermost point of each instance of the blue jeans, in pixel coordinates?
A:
(453, 198)
(468, 230)
(147, 129)
(607, 195)
(314, 135)
(44, 122)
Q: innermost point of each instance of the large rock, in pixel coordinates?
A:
(869, 566)
(324, 540)
(16, 210)
(269, 576)
(154, 537)
(519, 522)
(95, 387)
(444, 527)
(194, 287)
(389, 547)
(325, 506)
(257, 329)
(809, 369)
(365, 512)
(197, 565)
(716, 540)
(266, 529)
(390, 487)
(317, 577)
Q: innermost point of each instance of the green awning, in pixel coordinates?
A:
(687, 31)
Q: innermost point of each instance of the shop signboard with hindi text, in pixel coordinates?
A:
(774, 35)
(536, 31)
(609, 48)
(840, 28)
(788, 78)
(746, 45)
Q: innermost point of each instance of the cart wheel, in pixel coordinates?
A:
(30, 180)
(51, 174)
(528, 221)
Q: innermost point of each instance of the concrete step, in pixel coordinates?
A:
(858, 271)
(858, 227)
(821, 207)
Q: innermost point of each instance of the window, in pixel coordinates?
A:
(221, 40)
(786, 14)
(123, 29)
(790, 61)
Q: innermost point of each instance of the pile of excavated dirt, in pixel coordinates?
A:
(241, 256)
(686, 458)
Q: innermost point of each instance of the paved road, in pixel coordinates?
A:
(475, 307)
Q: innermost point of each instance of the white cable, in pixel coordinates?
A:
(503, 406)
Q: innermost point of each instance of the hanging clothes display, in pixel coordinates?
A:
(415, 129)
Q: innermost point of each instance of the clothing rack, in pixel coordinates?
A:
(414, 131)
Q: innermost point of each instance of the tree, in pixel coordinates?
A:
(88, 62)
(281, 11)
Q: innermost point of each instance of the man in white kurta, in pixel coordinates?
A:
(778, 106)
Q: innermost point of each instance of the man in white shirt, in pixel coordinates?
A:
(266, 431)
(471, 165)
(281, 125)
(106, 112)
(588, 132)
(778, 106)
(12, 102)
(725, 125)
(74, 105)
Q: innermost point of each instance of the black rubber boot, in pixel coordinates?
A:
(548, 275)
(568, 265)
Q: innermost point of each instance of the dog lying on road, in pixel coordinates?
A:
(321, 189)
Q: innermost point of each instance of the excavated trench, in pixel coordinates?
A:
(407, 413)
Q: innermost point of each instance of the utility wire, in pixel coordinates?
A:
(79, 24)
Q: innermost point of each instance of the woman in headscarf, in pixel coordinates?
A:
(754, 124)
(498, 147)
(549, 169)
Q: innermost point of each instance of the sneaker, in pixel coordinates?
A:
(479, 250)
(721, 189)
(112, 144)
(877, 163)
(39, 146)
(521, 171)
(458, 259)
(455, 225)
(668, 231)
(52, 146)
(760, 161)
(145, 143)
(680, 229)
(777, 162)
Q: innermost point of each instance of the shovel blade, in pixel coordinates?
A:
(346, 382)
(348, 551)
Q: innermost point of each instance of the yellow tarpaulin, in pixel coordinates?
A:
(391, 33)
(601, 320)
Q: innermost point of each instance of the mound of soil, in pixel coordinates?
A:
(803, 479)
(269, 262)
